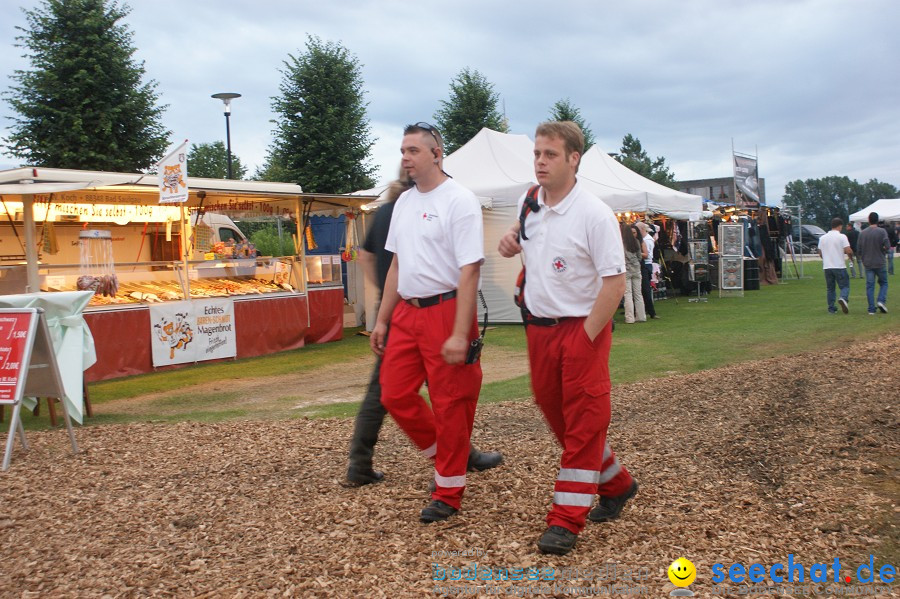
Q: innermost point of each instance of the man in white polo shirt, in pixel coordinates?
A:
(575, 277)
(834, 247)
(436, 234)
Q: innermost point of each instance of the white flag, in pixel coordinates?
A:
(172, 173)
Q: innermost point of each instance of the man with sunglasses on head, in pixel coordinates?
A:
(574, 279)
(436, 234)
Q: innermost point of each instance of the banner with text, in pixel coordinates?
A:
(746, 182)
(193, 331)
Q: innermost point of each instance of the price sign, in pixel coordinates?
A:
(14, 332)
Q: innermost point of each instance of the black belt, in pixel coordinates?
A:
(544, 322)
(425, 302)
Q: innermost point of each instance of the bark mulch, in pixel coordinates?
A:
(747, 463)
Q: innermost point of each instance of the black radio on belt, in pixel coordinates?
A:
(477, 344)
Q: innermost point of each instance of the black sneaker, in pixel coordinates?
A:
(358, 477)
(609, 508)
(557, 540)
(483, 460)
(881, 308)
(437, 511)
(843, 304)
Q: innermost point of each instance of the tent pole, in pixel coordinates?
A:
(31, 254)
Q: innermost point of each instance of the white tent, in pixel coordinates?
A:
(624, 190)
(888, 211)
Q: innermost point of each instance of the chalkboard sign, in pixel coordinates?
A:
(28, 368)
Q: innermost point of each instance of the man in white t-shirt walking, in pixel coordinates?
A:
(834, 247)
(436, 234)
(575, 278)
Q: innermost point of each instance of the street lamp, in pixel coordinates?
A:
(226, 98)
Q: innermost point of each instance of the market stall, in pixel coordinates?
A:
(106, 232)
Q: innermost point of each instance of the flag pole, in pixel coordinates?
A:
(184, 255)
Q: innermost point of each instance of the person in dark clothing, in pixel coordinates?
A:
(853, 236)
(892, 240)
(873, 247)
(376, 262)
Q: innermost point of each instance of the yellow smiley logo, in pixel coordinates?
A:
(682, 572)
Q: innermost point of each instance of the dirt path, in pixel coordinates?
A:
(343, 382)
(745, 464)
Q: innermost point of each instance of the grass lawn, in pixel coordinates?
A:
(785, 319)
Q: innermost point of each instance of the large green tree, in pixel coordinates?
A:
(211, 160)
(472, 106)
(828, 197)
(564, 110)
(322, 138)
(633, 155)
(82, 104)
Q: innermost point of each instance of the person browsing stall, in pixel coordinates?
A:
(436, 234)
(574, 267)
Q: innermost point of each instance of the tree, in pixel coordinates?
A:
(563, 110)
(211, 160)
(823, 199)
(82, 105)
(635, 157)
(322, 138)
(471, 107)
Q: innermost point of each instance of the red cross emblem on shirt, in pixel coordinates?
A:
(424, 215)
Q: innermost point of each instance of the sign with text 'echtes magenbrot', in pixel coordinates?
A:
(192, 331)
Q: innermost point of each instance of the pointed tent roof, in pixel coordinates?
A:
(888, 210)
(624, 190)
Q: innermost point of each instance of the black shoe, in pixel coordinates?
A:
(881, 307)
(483, 460)
(609, 508)
(557, 540)
(358, 477)
(437, 511)
(654, 317)
(843, 303)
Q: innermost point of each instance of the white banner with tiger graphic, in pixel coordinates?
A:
(172, 174)
(193, 331)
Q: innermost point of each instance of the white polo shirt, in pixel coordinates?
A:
(434, 235)
(832, 245)
(570, 247)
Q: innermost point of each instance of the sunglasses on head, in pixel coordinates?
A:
(432, 130)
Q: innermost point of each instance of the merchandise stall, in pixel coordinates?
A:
(107, 232)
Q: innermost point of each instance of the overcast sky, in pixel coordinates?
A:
(812, 85)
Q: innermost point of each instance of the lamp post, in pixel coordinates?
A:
(226, 98)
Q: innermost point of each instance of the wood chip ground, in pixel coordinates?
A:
(747, 463)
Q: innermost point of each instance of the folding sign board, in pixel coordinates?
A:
(28, 368)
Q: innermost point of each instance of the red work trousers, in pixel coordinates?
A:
(441, 432)
(570, 380)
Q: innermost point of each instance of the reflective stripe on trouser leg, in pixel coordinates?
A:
(449, 481)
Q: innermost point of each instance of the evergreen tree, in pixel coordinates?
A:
(635, 157)
(322, 138)
(563, 110)
(471, 107)
(83, 105)
(211, 160)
